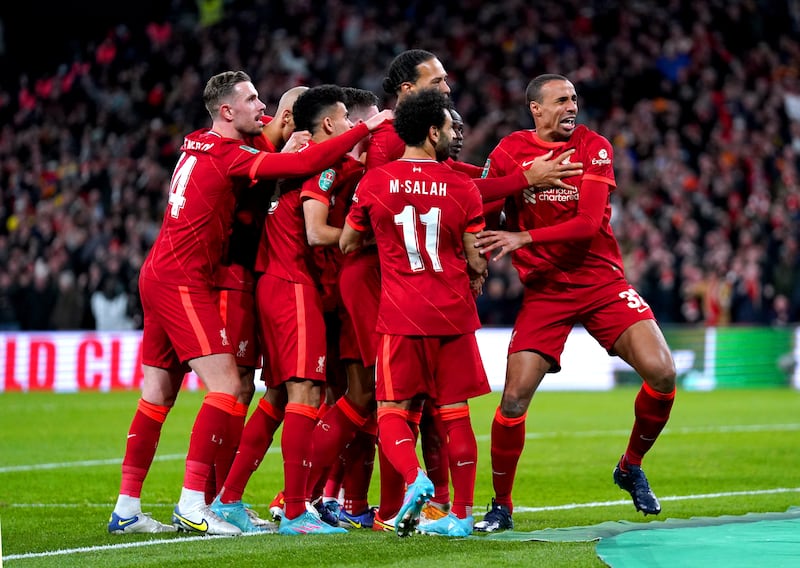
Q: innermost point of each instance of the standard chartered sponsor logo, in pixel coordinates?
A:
(558, 194)
(553, 194)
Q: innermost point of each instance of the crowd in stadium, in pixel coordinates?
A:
(701, 102)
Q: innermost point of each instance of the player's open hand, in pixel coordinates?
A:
(504, 241)
(375, 121)
(549, 171)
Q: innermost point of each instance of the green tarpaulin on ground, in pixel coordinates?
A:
(755, 539)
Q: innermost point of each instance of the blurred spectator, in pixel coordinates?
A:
(8, 297)
(68, 311)
(700, 100)
(110, 305)
(38, 297)
(779, 314)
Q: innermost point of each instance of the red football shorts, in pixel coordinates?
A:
(238, 310)
(360, 288)
(180, 323)
(293, 330)
(448, 369)
(550, 311)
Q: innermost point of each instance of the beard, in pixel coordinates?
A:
(442, 149)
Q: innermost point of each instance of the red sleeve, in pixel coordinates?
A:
(465, 168)
(496, 188)
(313, 159)
(493, 207)
(384, 146)
(308, 192)
(592, 202)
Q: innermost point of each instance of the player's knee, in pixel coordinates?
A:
(662, 377)
(247, 392)
(513, 407)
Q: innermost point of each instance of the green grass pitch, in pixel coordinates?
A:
(725, 452)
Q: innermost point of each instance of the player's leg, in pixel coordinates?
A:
(540, 332)
(256, 439)
(359, 460)
(404, 371)
(459, 376)
(626, 326)
(160, 387)
(238, 311)
(524, 373)
(644, 348)
(462, 450)
(219, 374)
(433, 436)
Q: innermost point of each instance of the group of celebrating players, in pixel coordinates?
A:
(340, 248)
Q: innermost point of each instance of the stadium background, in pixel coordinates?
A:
(701, 101)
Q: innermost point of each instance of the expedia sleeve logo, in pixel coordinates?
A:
(602, 158)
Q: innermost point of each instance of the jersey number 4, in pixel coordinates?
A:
(407, 220)
(177, 187)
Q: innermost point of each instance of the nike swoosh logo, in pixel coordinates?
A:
(461, 464)
(526, 164)
(498, 472)
(646, 439)
(131, 436)
(126, 522)
(398, 442)
(201, 527)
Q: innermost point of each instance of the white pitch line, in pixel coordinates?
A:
(570, 506)
(121, 546)
(670, 498)
(83, 463)
(95, 463)
(528, 436)
(667, 431)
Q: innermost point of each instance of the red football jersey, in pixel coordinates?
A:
(252, 203)
(209, 176)
(574, 262)
(286, 253)
(210, 173)
(419, 211)
(335, 187)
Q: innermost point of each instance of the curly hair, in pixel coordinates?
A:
(418, 112)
